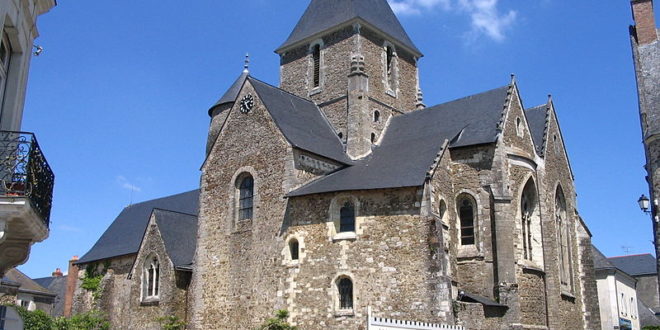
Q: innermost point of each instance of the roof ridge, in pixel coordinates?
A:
(631, 255)
(155, 199)
(172, 211)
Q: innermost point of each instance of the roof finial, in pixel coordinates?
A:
(513, 78)
(246, 66)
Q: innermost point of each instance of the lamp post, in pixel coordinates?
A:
(644, 204)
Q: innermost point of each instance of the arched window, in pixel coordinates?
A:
(316, 58)
(347, 217)
(373, 137)
(245, 197)
(294, 249)
(389, 53)
(150, 278)
(340, 135)
(519, 129)
(563, 239)
(345, 287)
(376, 116)
(529, 220)
(466, 214)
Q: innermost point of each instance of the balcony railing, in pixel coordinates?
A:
(24, 171)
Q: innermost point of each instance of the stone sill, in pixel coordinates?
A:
(350, 235)
(150, 302)
(567, 295)
(293, 263)
(530, 265)
(390, 93)
(315, 90)
(469, 252)
(344, 312)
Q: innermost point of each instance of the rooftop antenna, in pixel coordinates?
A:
(246, 66)
(626, 249)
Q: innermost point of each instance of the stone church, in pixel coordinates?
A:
(340, 195)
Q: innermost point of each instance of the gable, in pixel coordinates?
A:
(516, 132)
(124, 235)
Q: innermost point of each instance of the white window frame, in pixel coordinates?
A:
(151, 279)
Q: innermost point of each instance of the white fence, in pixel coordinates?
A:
(381, 323)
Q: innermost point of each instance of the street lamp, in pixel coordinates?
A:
(644, 204)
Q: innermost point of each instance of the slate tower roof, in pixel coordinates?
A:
(324, 15)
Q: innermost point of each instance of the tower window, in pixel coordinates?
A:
(294, 249)
(340, 135)
(373, 137)
(246, 197)
(466, 215)
(347, 218)
(390, 58)
(345, 287)
(316, 58)
(376, 116)
(390, 67)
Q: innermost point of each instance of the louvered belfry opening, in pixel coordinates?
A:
(316, 55)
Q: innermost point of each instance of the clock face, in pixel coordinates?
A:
(247, 103)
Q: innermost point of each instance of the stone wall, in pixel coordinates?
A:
(647, 290)
(236, 274)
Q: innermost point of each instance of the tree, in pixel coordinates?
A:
(278, 322)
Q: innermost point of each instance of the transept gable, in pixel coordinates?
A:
(555, 150)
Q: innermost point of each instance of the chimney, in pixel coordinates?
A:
(57, 273)
(642, 11)
(71, 284)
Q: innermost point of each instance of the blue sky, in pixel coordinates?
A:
(119, 97)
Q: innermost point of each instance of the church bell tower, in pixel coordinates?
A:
(355, 60)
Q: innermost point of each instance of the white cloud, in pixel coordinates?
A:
(484, 15)
(487, 19)
(124, 183)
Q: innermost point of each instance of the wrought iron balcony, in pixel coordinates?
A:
(24, 172)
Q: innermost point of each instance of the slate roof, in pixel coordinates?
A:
(26, 283)
(179, 234)
(600, 260)
(232, 93)
(125, 233)
(322, 15)
(536, 118)
(301, 121)
(467, 121)
(640, 264)
(56, 285)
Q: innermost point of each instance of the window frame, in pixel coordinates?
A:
(563, 240)
(245, 197)
(466, 197)
(151, 279)
(390, 69)
(347, 212)
(5, 65)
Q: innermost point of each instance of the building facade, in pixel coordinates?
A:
(646, 57)
(339, 192)
(26, 180)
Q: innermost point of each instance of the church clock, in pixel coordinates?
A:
(247, 103)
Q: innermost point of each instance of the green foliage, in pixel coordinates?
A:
(278, 322)
(92, 279)
(651, 327)
(35, 320)
(39, 320)
(92, 320)
(171, 322)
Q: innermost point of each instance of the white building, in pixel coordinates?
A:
(26, 180)
(617, 295)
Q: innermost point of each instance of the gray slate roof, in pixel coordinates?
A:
(232, 93)
(26, 283)
(56, 285)
(301, 121)
(125, 233)
(600, 260)
(179, 233)
(413, 141)
(322, 15)
(536, 118)
(640, 264)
